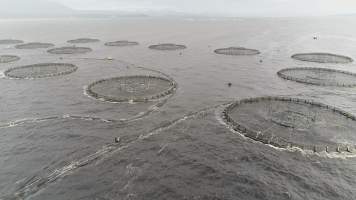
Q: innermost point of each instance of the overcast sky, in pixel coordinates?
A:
(225, 7)
(210, 7)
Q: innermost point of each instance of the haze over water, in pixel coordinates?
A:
(178, 149)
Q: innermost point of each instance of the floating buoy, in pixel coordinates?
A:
(229, 84)
(117, 139)
(348, 149)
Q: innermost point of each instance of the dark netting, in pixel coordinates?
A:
(8, 58)
(131, 88)
(83, 40)
(41, 70)
(319, 76)
(322, 58)
(70, 50)
(237, 51)
(289, 122)
(167, 46)
(121, 43)
(34, 45)
(10, 41)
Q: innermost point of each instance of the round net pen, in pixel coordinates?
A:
(41, 70)
(138, 88)
(167, 47)
(8, 58)
(322, 58)
(237, 51)
(291, 122)
(70, 50)
(319, 76)
(10, 41)
(34, 45)
(121, 43)
(83, 41)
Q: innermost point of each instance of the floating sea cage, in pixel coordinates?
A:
(237, 51)
(322, 58)
(319, 76)
(41, 70)
(167, 47)
(83, 40)
(10, 41)
(290, 122)
(8, 58)
(70, 50)
(136, 88)
(34, 45)
(121, 43)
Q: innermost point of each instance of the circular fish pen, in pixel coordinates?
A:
(121, 43)
(237, 51)
(319, 76)
(70, 50)
(290, 122)
(34, 45)
(41, 70)
(10, 41)
(322, 58)
(83, 40)
(167, 47)
(138, 88)
(8, 58)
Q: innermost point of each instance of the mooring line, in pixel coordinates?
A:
(39, 183)
(66, 116)
(125, 63)
(137, 117)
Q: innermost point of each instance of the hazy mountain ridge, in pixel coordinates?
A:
(46, 8)
(9, 8)
(53, 8)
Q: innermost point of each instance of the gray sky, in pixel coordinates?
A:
(223, 7)
(210, 7)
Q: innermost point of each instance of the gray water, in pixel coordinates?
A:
(58, 143)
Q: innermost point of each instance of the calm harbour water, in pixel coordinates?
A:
(176, 148)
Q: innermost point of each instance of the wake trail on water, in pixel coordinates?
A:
(37, 183)
(128, 64)
(38, 120)
(137, 117)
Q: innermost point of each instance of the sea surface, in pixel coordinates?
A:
(57, 143)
